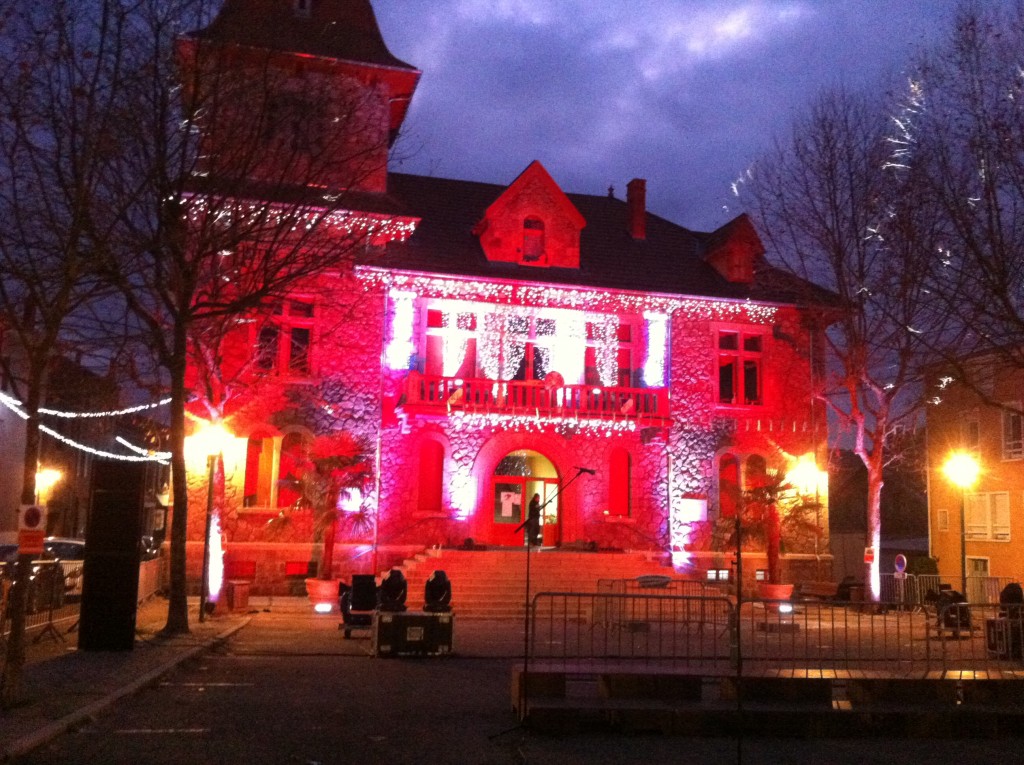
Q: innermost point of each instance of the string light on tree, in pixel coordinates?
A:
(16, 406)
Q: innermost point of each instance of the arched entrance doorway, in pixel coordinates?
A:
(518, 476)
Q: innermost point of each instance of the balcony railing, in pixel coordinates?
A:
(429, 395)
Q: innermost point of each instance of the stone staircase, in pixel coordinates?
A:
(491, 584)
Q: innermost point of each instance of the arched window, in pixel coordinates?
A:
(728, 485)
(259, 472)
(620, 484)
(755, 471)
(533, 241)
(431, 476)
(295, 449)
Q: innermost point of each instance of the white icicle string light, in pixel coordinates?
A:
(400, 349)
(657, 349)
(606, 348)
(589, 300)
(489, 346)
(471, 421)
(517, 331)
(375, 227)
(455, 339)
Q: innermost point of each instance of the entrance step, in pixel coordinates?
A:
(491, 584)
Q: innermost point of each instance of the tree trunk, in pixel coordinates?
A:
(873, 537)
(177, 605)
(327, 559)
(11, 690)
(773, 539)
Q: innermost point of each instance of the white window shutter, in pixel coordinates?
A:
(1001, 515)
(976, 506)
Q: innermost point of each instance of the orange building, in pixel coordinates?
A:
(976, 530)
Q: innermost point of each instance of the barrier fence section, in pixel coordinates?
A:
(921, 589)
(51, 597)
(576, 630)
(588, 632)
(54, 596)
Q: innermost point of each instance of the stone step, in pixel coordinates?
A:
(491, 583)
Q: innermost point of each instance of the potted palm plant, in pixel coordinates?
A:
(774, 509)
(771, 510)
(330, 481)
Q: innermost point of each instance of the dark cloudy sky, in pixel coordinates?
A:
(684, 93)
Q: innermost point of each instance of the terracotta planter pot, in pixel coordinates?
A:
(323, 591)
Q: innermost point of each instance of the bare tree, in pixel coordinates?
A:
(836, 212)
(969, 138)
(201, 180)
(234, 188)
(55, 148)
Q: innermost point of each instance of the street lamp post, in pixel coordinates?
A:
(962, 470)
(204, 587)
(210, 440)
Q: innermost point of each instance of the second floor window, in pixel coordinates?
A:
(597, 351)
(284, 342)
(609, 361)
(988, 516)
(1013, 434)
(533, 241)
(970, 432)
(740, 379)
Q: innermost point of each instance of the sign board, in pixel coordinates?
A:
(900, 563)
(31, 529)
(869, 554)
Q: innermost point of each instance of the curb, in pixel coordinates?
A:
(51, 730)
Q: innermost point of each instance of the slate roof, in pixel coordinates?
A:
(669, 261)
(341, 29)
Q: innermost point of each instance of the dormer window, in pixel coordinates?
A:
(303, 8)
(533, 241)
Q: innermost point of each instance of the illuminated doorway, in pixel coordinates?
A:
(518, 476)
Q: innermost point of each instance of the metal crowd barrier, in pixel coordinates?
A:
(44, 611)
(590, 632)
(921, 589)
(656, 630)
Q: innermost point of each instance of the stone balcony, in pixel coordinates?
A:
(430, 396)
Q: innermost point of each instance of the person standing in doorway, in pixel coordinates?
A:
(533, 533)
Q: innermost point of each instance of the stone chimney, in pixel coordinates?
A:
(636, 201)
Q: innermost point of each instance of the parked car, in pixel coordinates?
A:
(45, 581)
(71, 554)
(65, 548)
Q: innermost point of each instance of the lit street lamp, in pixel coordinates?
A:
(962, 470)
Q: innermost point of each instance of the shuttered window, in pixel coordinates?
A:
(988, 516)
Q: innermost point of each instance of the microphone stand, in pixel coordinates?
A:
(526, 613)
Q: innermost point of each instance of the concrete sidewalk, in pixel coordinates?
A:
(67, 687)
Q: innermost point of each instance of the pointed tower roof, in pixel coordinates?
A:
(339, 29)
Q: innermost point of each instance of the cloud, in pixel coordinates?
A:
(683, 92)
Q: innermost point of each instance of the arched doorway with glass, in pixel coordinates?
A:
(518, 476)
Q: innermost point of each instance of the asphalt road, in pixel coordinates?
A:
(277, 694)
